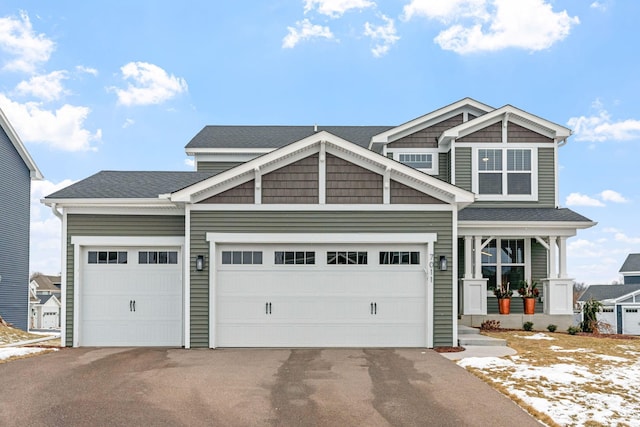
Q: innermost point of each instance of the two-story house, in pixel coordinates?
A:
(307, 236)
(17, 169)
(44, 302)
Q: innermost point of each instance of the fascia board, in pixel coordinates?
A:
(625, 296)
(194, 151)
(523, 228)
(383, 137)
(153, 202)
(19, 146)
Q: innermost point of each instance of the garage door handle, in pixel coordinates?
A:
(134, 305)
(374, 308)
(130, 305)
(267, 308)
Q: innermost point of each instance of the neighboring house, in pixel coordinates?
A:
(307, 236)
(630, 270)
(44, 303)
(17, 169)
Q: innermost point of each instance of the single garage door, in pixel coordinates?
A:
(131, 297)
(631, 320)
(320, 295)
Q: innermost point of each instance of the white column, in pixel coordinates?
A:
(553, 249)
(468, 257)
(478, 257)
(386, 186)
(322, 174)
(563, 257)
(258, 186)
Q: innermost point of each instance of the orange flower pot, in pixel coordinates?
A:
(504, 305)
(529, 305)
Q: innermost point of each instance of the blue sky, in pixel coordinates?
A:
(124, 85)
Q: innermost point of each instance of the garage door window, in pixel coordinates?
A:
(399, 258)
(241, 257)
(344, 257)
(295, 257)
(157, 257)
(107, 257)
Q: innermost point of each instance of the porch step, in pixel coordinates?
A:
(468, 336)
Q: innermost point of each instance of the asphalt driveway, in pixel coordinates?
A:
(242, 387)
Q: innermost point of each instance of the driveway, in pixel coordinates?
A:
(243, 387)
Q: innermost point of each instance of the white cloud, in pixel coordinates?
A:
(47, 87)
(148, 84)
(305, 30)
(491, 25)
(582, 248)
(190, 162)
(336, 8)
(86, 70)
(127, 123)
(621, 237)
(23, 46)
(62, 129)
(45, 246)
(599, 5)
(601, 127)
(577, 199)
(384, 35)
(613, 196)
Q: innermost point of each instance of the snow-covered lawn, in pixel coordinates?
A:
(568, 380)
(20, 352)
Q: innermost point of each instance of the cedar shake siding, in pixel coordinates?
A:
(112, 225)
(15, 185)
(492, 133)
(439, 222)
(517, 133)
(215, 167)
(294, 183)
(242, 194)
(426, 138)
(401, 193)
(351, 184)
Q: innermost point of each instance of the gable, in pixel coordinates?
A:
(9, 137)
(428, 137)
(490, 133)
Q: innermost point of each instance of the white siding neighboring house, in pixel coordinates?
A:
(621, 306)
(45, 302)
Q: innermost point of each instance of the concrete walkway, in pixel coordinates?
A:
(476, 345)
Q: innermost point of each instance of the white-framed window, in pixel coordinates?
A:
(241, 257)
(425, 160)
(347, 257)
(509, 173)
(107, 257)
(157, 257)
(399, 258)
(295, 257)
(504, 261)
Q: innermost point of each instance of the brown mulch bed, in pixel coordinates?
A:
(448, 349)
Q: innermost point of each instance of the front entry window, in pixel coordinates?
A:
(503, 261)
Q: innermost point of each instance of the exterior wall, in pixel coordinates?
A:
(444, 171)
(113, 225)
(351, 184)
(546, 179)
(14, 243)
(294, 183)
(631, 280)
(426, 138)
(321, 222)
(401, 193)
(243, 193)
(517, 133)
(492, 133)
(215, 167)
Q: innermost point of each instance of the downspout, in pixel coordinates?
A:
(55, 211)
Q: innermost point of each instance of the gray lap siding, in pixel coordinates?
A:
(112, 225)
(439, 222)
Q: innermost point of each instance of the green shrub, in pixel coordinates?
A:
(572, 330)
(552, 328)
(528, 326)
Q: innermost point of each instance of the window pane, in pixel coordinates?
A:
(395, 258)
(512, 251)
(489, 272)
(102, 257)
(489, 160)
(122, 257)
(513, 274)
(404, 258)
(173, 257)
(93, 257)
(143, 257)
(417, 160)
(236, 256)
(490, 183)
(384, 258)
(300, 258)
(519, 183)
(289, 257)
(247, 257)
(279, 257)
(162, 257)
(153, 257)
(362, 258)
(519, 160)
(311, 257)
(113, 257)
(226, 257)
(415, 258)
(342, 257)
(352, 257)
(257, 257)
(489, 253)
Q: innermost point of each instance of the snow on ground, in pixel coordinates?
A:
(538, 336)
(572, 394)
(6, 353)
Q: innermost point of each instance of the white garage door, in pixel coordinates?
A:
(631, 320)
(320, 295)
(131, 297)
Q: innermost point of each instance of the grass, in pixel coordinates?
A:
(573, 380)
(9, 335)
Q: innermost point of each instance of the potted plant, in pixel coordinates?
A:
(529, 293)
(503, 293)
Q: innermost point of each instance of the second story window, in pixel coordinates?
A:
(417, 160)
(505, 172)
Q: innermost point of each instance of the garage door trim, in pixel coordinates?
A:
(427, 239)
(79, 242)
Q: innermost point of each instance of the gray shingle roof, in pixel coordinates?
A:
(44, 298)
(129, 185)
(602, 292)
(631, 264)
(276, 136)
(521, 214)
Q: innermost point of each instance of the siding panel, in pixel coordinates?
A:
(243, 193)
(401, 193)
(492, 133)
(463, 168)
(517, 133)
(294, 183)
(112, 225)
(426, 138)
(321, 222)
(351, 184)
(216, 167)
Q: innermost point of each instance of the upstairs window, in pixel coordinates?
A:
(417, 160)
(505, 172)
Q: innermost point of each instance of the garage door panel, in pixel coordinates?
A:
(631, 320)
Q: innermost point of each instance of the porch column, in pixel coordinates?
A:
(553, 248)
(478, 257)
(563, 257)
(468, 257)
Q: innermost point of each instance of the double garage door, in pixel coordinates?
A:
(320, 295)
(131, 297)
